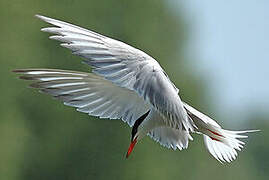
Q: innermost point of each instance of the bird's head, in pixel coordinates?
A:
(138, 132)
(132, 145)
(137, 135)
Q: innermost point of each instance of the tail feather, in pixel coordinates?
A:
(219, 151)
(225, 148)
(222, 144)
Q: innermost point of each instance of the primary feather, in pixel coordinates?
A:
(89, 93)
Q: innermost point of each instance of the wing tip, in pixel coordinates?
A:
(47, 19)
(19, 71)
(16, 70)
(44, 18)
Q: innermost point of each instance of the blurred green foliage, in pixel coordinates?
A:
(42, 139)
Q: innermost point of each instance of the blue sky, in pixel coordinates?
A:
(229, 46)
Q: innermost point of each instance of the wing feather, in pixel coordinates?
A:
(88, 93)
(167, 136)
(124, 66)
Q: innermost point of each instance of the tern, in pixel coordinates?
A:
(127, 84)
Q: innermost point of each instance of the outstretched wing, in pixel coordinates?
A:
(126, 67)
(88, 92)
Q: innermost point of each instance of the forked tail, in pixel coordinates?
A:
(225, 145)
(222, 144)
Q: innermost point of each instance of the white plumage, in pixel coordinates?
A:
(126, 83)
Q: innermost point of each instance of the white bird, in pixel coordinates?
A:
(128, 84)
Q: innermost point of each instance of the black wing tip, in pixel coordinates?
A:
(27, 78)
(18, 70)
(23, 74)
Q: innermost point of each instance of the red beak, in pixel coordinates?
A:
(131, 147)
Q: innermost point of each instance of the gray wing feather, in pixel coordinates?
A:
(88, 93)
(170, 137)
(126, 67)
(166, 135)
